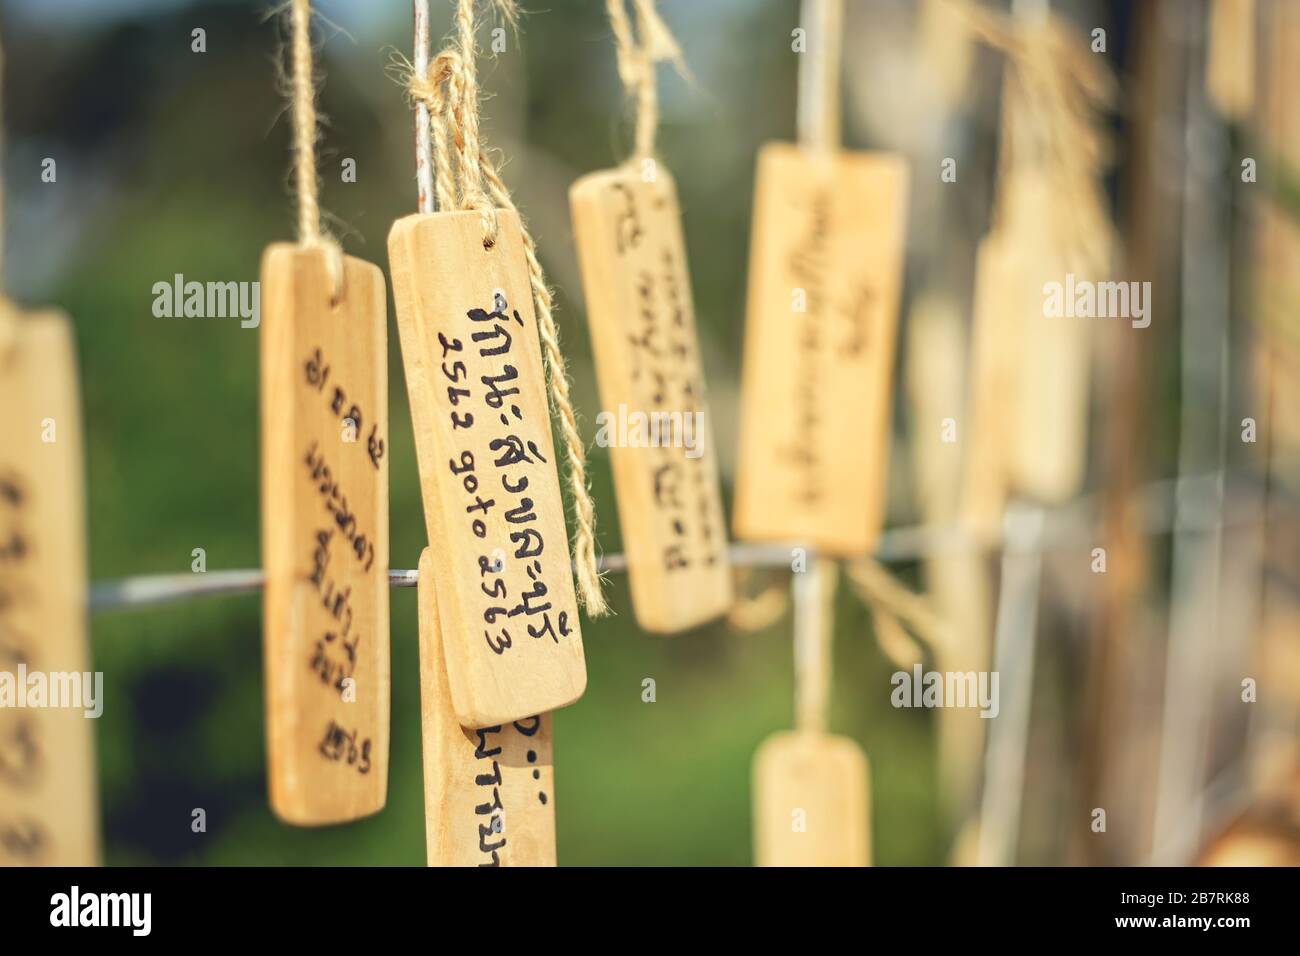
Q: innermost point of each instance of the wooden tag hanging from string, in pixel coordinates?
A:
(488, 792)
(1230, 64)
(1047, 453)
(324, 507)
(628, 231)
(992, 402)
(825, 273)
(465, 283)
(811, 798)
(811, 803)
(48, 802)
(1031, 366)
(49, 812)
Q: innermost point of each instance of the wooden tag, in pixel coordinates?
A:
(811, 801)
(993, 388)
(48, 801)
(642, 317)
(1030, 375)
(1230, 64)
(825, 272)
(489, 793)
(1051, 355)
(491, 493)
(325, 536)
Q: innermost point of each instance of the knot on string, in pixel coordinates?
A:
(1053, 116)
(637, 54)
(449, 91)
(466, 178)
(459, 157)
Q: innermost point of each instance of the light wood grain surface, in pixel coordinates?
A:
(48, 789)
(641, 313)
(492, 504)
(325, 536)
(811, 803)
(489, 794)
(825, 272)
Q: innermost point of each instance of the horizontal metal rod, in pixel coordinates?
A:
(148, 589)
(1189, 503)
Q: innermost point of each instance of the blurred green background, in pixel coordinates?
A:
(171, 161)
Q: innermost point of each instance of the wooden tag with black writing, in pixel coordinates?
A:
(325, 536)
(488, 793)
(811, 803)
(488, 476)
(48, 792)
(825, 272)
(642, 317)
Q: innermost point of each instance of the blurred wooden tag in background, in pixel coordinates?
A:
(488, 793)
(488, 477)
(811, 804)
(993, 389)
(48, 792)
(825, 271)
(325, 536)
(642, 317)
(1031, 370)
(1051, 355)
(1230, 65)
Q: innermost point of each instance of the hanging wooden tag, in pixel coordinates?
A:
(492, 502)
(488, 793)
(1049, 354)
(642, 317)
(993, 388)
(325, 536)
(1230, 64)
(825, 272)
(48, 801)
(811, 804)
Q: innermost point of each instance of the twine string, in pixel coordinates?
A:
(755, 610)
(423, 151)
(1057, 93)
(813, 592)
(433, 90)
(584, 535)
(446, 90)
(896, 610)
(638, 53)
(467, 178)
(818, 120)
(305, 131)
(466, 116)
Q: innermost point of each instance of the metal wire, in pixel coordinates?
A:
(1166, 506)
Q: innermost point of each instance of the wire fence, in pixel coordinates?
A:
(1189, 503)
